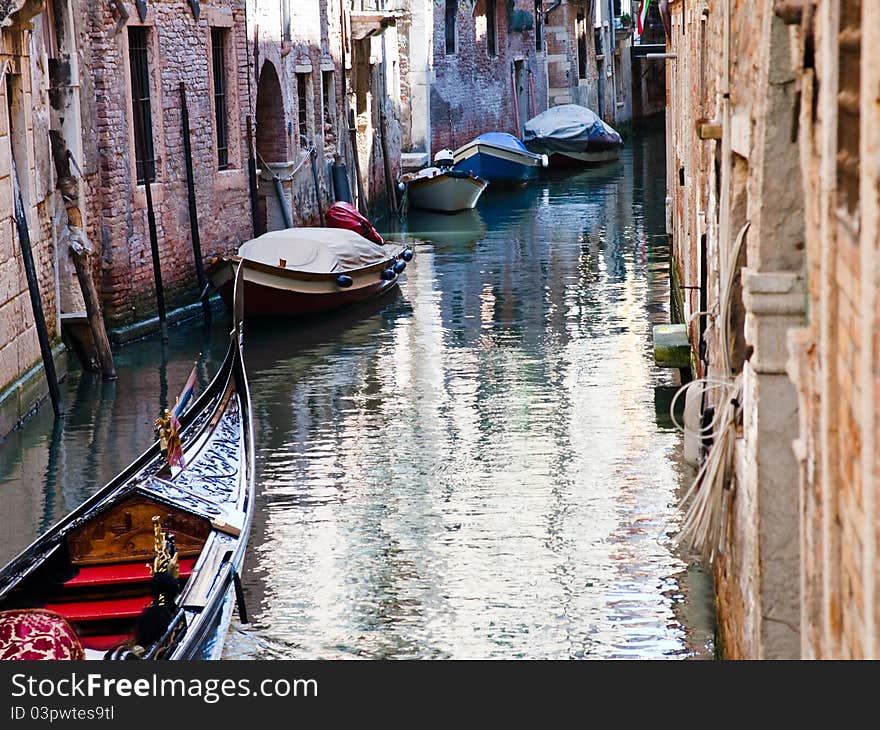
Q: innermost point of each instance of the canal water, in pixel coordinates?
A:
(480, 466)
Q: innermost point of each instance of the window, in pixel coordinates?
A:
(328, 108)
(539, 25)
(140, 103)
(218, 50)
(491, 28)
(451, 16)
(581, 32)
(302, 81)
(848, 106)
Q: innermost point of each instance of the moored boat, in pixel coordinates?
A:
(499, 158)
(572, 135)
(442, 188)
(300, 271)
(148, 567)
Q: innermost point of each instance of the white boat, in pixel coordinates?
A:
(442, 188)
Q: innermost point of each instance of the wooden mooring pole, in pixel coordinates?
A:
(151, 220)
(252, 175)
(30, 270)
(193, 214)
(313, 154)
(352, 136)
(80, 255)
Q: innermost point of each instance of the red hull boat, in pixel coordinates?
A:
(302, 271)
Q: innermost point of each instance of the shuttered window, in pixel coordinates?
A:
(491, 28)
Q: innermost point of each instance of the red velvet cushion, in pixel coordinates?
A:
(101, 610)
(102, 575)
(37, 634)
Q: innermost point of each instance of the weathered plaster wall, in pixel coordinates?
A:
(24, 134)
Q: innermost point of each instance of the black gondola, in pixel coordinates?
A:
(148, 566)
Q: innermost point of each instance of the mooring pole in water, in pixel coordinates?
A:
(30, 271)
(339, 174)
(193, 214)
(352, 136)
(386, 163)
(151, 221)
(313, 154)
(252, 174)
(83, 268)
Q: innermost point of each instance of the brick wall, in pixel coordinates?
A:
(179, 51)
(472, 91)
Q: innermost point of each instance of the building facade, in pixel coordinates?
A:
(94, 97)
(473, 66)
(143, 60)
(326, 87)
(773, 209)
(39, 101)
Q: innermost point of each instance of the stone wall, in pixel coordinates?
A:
(572, 80)
(736, 209)
(24, 135)
(835, 357)
(770, 126)
(312, 48)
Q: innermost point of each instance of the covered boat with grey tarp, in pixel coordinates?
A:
(572, 135)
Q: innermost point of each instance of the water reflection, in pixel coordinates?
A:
(474, 466)
(478, 469)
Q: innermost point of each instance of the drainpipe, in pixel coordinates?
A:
(726, 151)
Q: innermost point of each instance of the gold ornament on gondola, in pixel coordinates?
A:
(169, 438)
(167, 559)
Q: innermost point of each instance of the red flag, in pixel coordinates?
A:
(642, 16)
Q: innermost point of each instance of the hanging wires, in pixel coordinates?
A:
(704, 504)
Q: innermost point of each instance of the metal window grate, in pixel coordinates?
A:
(451, 16)
(140, 102)
(581, 28)
(491, 28)
(218, 50)
(303, 113)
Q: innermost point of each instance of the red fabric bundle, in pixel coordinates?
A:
(37, 634)
(345, 215)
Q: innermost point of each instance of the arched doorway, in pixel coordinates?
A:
(272, 145)
(271, 133)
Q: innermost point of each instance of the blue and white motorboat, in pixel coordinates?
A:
(499, 158)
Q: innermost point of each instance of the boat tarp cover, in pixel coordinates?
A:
(316, 250)
(345, 215)
(502, 139)
(569, 128)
